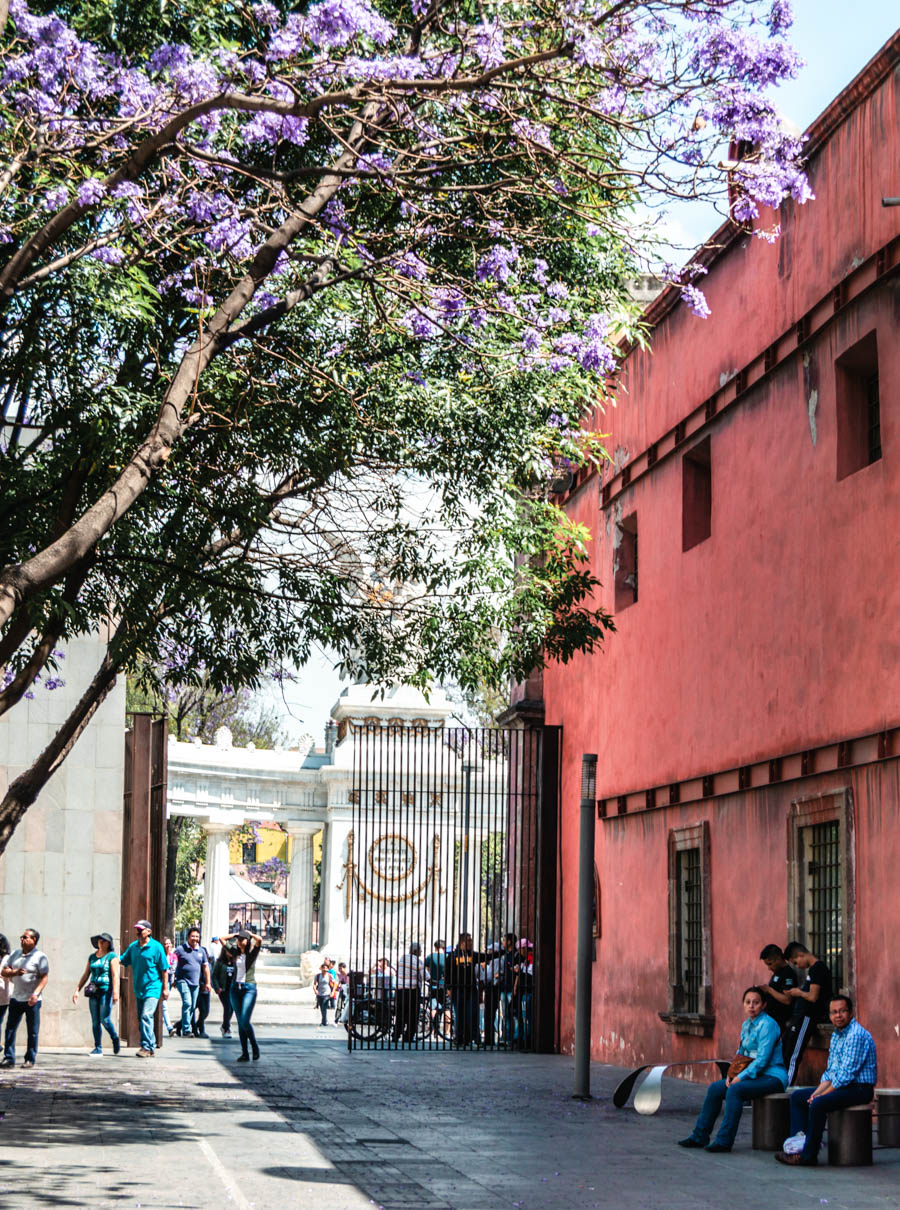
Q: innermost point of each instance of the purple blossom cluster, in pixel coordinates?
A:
(503, 292)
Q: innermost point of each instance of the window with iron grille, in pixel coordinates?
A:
(248, 852)
(690, 1007)
(690, 929)
(823, 894)
(821, 899)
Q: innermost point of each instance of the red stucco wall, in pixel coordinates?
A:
(779, 633)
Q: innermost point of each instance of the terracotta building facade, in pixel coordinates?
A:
(746, 714)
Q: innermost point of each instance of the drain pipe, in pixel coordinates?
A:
(584, 960)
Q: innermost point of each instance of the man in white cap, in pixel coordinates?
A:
(150, 981)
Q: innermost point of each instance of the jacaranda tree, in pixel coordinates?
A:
(304, 305)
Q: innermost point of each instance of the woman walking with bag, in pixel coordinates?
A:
(100, 981)
(244, 951)
(756, 1071)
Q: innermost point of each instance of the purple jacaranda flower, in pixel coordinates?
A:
(265, 13)
(55, 199)
(91, 191)
(497, 265)
(558, 290)
(108, 255)
(421, 323)
(334, 23)
(696, 300)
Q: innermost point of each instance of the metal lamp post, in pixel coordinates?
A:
(468, 770)
(585, 957)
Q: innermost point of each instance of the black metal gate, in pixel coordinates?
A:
(450, 887)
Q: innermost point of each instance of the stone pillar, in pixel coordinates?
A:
(298, 935)
(334, 923)
(216, 909)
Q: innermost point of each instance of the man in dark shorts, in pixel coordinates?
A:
(811, 1001)
(779, 1004)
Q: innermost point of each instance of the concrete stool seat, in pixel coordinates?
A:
(850, 1136)
(888, 1101)
(771, 1121)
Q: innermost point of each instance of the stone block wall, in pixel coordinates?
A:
(62, 871)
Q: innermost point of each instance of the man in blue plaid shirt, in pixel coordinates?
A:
(849, 1079)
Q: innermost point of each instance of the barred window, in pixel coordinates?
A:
(248, 852)
(690, 1008)
(689, 929)
(820, 881)
(823, 895)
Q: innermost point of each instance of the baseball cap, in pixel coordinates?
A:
(144, 924)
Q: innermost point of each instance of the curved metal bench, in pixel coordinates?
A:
(648, 1097)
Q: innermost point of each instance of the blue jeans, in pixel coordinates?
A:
(243, 998)
(465, 1005)
(188, 995)
(734, 1097)
(224, 995)
(508, 1009)
(32, 1014)
(100, 1007)
(811, 1118)
(146, 1009)
(322, 1003)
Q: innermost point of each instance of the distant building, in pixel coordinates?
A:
(746, 713)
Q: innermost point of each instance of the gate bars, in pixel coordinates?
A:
(454, 831)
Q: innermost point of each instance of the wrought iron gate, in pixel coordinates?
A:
(454, 836)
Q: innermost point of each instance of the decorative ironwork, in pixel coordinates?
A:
(469, 798)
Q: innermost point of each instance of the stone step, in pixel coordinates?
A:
(289, 960)
(298, 996)
(273, 978)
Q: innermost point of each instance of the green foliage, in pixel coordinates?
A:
(190, 860)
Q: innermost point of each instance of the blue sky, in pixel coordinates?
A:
(837, 39)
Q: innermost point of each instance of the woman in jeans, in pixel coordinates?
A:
(101, 974)
(244, 948)
(764, 1073)
(172, 958)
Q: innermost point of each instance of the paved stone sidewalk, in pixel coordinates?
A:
(311, 1125)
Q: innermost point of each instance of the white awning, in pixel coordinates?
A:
(242, 890)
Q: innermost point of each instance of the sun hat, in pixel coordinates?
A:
(98, 937)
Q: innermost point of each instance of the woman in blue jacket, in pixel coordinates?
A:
(764, 1073)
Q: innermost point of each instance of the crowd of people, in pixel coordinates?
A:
(490, 993)
(780, 1017)
(157, 970)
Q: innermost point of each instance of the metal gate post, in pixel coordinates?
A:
(584, 961)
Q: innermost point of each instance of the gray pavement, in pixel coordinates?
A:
(311, 1125)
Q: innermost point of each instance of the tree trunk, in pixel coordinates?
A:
(173, 835)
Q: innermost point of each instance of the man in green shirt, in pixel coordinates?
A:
(150, 980)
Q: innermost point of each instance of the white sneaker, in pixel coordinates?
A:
(795, 1144)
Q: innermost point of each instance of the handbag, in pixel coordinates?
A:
(92, 990)
(738, 1064)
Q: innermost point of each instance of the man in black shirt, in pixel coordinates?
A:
(779, 1003)
(810, 1004)
(461, 981)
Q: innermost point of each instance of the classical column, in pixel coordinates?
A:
(216, 881)
(334, 923)
(300, 887)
